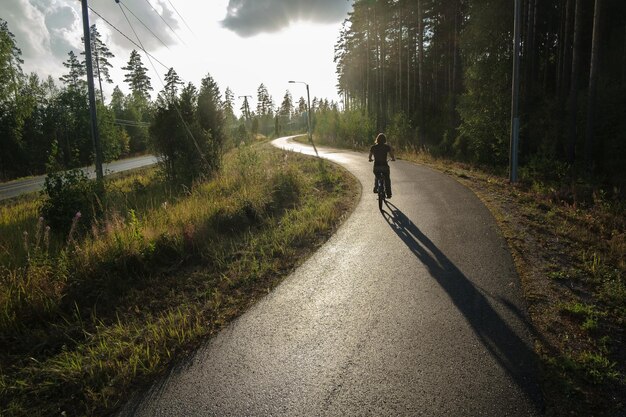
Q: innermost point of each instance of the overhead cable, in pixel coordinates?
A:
(181, 17)
(144, 25)
(165, 21)
(182, 119)
(129, 39)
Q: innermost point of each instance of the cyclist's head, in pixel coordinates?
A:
(381, 138)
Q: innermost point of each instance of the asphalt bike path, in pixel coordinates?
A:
(415, 311)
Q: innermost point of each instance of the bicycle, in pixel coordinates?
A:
(382, 192)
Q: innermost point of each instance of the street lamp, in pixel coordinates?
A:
(308, 113)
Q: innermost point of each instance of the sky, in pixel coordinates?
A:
(240, 43)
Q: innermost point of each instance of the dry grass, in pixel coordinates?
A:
(83, 324)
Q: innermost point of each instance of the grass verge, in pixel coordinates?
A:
(85, 321)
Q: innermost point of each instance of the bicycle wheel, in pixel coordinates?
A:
(381, 192)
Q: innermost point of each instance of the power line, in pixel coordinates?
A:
(195, 142)
(129, 39)
(165, 21)
(181, 17)
(131, 123)
(144, 25)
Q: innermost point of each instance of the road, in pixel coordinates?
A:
(416, 311)
(28, 185)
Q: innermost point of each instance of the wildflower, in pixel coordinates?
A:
(46, 238)
(70, 237)
(38, 232)
(25, 240)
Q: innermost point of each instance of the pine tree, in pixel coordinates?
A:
(286, 107)
(172, 82)
(265, 103)
(75, 78)
(211, 117)
(302, 107)
(117, 101)
(137, 77)
(10, 65)
(228, 105)
(12, 152)
(100, 57)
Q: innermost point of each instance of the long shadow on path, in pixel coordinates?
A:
(505, 345)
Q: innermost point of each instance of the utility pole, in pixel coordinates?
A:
(92, 94)
(246, 108)
(308, 113)
(515, 95)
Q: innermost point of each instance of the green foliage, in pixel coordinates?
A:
(210, 118)
(114, 140)
(182, 133)
(349, 128)
(401, 132)
(76, 78)
(485, 106)
(70, 201)
(137, 77)
(241, 134)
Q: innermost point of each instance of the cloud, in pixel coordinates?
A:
(46, 30)
(251, 17)
(146, 19)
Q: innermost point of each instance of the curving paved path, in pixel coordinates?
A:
(413, 312)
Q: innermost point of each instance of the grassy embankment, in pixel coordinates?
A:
(85, 320)
(569, 245)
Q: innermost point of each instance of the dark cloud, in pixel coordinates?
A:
(46, 30)
(251, 17)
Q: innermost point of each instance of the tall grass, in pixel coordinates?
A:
(87, 318)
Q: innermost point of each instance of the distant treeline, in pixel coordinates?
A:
(45, 127)
(438, 73)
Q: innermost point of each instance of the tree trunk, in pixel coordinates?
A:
(567, 49)
(624, 59)
(561, 49)
(399, 87)
(420, 61)
(529, 48)
(528, 79)
(455, 70)
(368, 66)
(593, 83)
(409, 42)
(573, 94)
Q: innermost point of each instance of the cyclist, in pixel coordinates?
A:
(379, 151)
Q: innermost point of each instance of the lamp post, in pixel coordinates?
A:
(308, 113)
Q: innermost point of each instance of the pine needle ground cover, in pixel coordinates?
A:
(87, 318)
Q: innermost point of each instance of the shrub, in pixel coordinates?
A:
(70, 199)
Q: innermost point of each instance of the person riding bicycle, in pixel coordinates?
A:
(379, 151)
